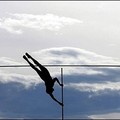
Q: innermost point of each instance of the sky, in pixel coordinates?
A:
(89, 25)
(60, 32)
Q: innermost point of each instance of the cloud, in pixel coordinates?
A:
(113, 115)
(14, 75)
(71, 55)
(112, 45)
(16, 22)
(63, 55)
(95, 87)
(26, 80)
(8, 61)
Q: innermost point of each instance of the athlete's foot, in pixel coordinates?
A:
(28, 55)
(25, 57)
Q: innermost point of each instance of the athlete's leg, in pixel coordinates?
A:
(43, 72)
(33, 66)
(37, 63)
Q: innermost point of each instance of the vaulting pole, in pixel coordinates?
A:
(62, 93)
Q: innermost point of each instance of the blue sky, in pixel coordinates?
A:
(60, 33)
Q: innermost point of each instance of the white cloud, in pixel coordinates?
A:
(113, 115)
(16, 22)
(71, 55)
(95, 87)
(14, 75)
(112, 45)
(26, 80)
(8, 61)
(62, 55)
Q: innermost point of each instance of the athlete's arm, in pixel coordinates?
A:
(55, 99)
(58, 81)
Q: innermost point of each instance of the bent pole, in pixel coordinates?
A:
(62, 93)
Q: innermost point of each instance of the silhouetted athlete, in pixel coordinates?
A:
(45, 76)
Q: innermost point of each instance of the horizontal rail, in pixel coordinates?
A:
(5, 66)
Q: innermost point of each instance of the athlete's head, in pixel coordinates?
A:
(49, 90)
